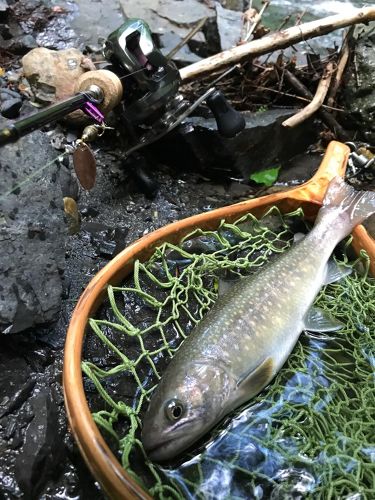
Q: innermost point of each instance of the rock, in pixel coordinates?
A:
(43, 446)
(229, 25)
(53, 74)
(4, 5)
(186, 13)
(18, 397)
(169, 41)
(263, 143)
(107, 241)
(28, 42)
(165, 16)
(239, 5)
(359, 94)
(32, 235)
(16, 381)
(6, 93)
(11, 107)
(90, 11)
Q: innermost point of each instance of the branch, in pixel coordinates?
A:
(344, 57)
(278, 40)
(317, 101)
(328, 118)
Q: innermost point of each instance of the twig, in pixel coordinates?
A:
(283, 23)
(341, 65)
(299, 17)
(255, 21)
(357, 79)
(316, 103)
(278, 40)
(300, 98)
(326, 117)
(188, 37)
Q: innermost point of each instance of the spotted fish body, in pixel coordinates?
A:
(246, 337)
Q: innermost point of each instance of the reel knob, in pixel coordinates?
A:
(109, 83)
(229, 121)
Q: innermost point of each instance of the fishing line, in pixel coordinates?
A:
(130, 74)
(31, 176)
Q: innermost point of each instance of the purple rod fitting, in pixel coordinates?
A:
(91, 110)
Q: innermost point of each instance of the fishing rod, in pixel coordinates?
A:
(141, 85)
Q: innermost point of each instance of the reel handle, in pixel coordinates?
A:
(229, 121)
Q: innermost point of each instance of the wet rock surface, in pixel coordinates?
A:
(360, 89)
(262, 144)
(32, 236)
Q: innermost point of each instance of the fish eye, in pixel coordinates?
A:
(174, 409)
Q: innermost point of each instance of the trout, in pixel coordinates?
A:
(244, 340)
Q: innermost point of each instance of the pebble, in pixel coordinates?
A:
(6, 93)
(28, 42)
(11, 107)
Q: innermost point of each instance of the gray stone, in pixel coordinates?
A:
(109, 13)
(10, 108)
(3, 6)
(229, 25)
(186, 13)
(262, 144)
(240, 5)
(6, 93)
(28, 42)
(42, 447)
(32, 235)
(163, 15)
(169, 41)
(359, 94)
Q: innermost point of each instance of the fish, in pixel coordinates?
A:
(244, 340)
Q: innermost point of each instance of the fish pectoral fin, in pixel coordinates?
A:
(318, 320)
(254, 381)
(224, 285)
(335, 272)
(298, 237)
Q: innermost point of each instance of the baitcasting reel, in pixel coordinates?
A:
(149, 102)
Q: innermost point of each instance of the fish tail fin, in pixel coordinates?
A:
(352, 206)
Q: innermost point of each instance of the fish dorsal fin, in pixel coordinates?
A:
(252, 382)
(318, 320)
(335, 272)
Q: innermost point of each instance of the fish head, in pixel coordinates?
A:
(183, 408)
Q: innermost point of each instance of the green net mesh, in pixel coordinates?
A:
(310, 433)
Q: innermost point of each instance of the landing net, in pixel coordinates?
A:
(310, 433)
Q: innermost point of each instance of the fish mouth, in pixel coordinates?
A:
(168, 448)
(164, 451)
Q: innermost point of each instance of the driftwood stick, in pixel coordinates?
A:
(341, 65)
(278, 40)
(327, 117)
(317, 101)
